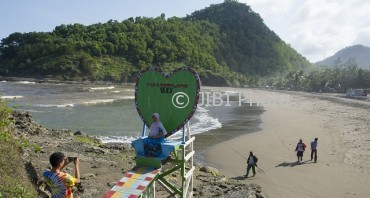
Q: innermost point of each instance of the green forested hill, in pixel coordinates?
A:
(224, 43)
(247, 44)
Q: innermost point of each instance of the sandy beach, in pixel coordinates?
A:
(342, 126)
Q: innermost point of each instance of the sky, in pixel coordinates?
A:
(316, 29)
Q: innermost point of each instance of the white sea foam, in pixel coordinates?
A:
(127, 98)
(101, 101)
(201, 122)
(101, 88)
(204, 122)
(116, 91)
(131, 90)
(25, 82)
(3, 81)
(88, 102)
(11, 97)
(231, 92)
(93, 102)
(54, 105)
(117, 139)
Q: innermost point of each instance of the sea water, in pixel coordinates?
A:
(109, 112)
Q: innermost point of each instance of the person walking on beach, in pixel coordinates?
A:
(314, 149)
(61, 183)
(252, 163)
(300, 148)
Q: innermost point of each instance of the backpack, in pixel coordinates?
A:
(255, 159)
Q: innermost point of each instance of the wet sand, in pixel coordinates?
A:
(342, 126)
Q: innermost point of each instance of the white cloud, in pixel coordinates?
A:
(363, 37)
(317, 28)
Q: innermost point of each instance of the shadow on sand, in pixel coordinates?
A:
(284, 164)
(239, 177)
(291, 164)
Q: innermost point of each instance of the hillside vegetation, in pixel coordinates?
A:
(13, 177)
(225, 43)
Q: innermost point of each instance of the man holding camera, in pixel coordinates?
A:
(60, 183)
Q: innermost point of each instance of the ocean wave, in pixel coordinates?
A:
(93, 102)
(11, 97)
(25, 82)
(231, 92)
(100, 101)
(54, 105)
(86, 102)
(101, 88)
(117, 139)
(204, 122)
(127, 98)
(3, 81)
(201, 122)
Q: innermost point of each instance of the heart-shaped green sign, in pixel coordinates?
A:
(174, 96)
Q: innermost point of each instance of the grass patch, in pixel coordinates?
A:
(86, 139)
(14, 180)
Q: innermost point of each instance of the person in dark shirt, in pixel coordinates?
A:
(300, 148)
(251, 163)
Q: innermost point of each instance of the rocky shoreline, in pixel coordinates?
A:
(102, 165)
